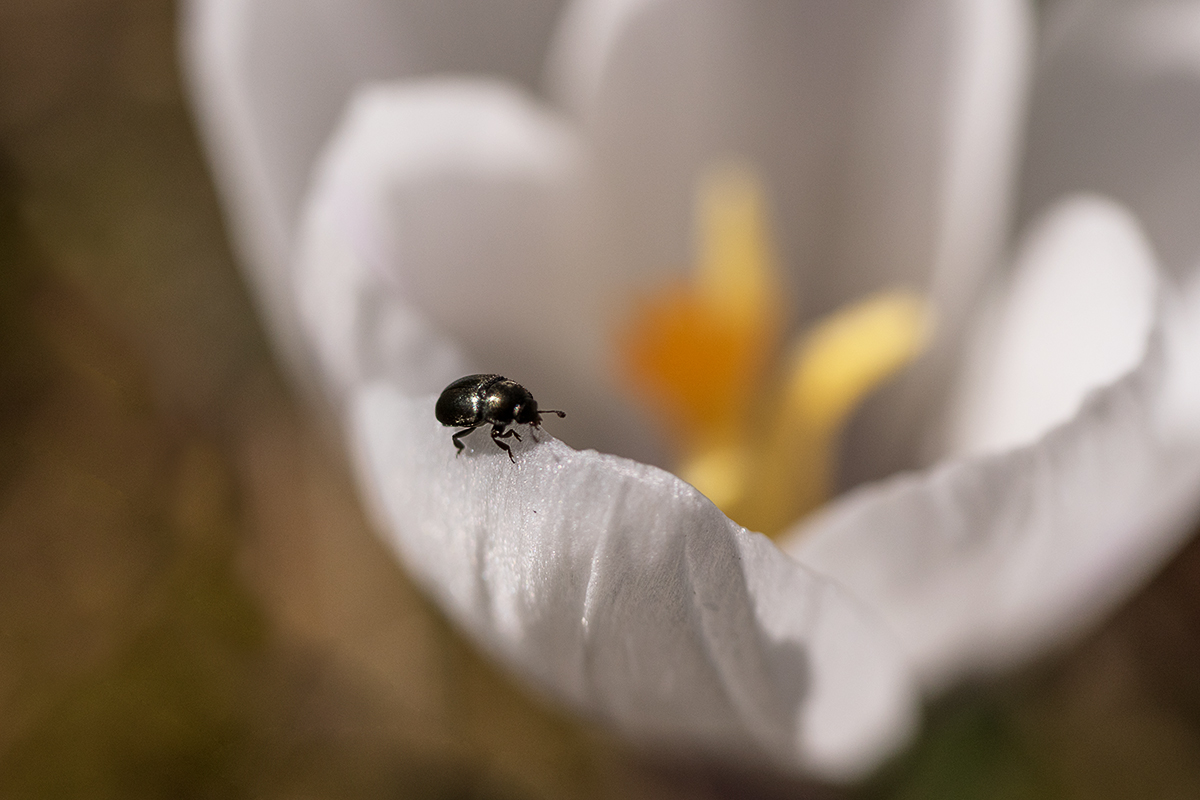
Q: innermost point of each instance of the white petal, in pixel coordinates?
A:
(269, 78)
(967, 136)
(886, 136)
(620, 590)
(1181, 392)
(876, 130)
(1117, 111)
(457, 198)
(1075, 315)
(984, 563)
(611, 585)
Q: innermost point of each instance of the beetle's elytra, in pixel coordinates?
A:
(488, 400)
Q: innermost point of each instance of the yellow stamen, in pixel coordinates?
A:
(852, 351)
(830, 370)
(737, 270)
(698, 353)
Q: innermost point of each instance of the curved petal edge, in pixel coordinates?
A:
(619, 590)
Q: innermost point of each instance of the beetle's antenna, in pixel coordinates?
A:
(552, 411)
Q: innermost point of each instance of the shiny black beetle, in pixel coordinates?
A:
(488, 400)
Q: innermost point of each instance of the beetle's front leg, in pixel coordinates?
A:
(505, 433)
(456, 437)
(499, 433)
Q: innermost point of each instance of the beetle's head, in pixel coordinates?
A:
(527, 413)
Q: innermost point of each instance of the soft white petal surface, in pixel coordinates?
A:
(886, 136)
(868, 124)
(460, 196)
(620, 590)
(272, 76)
(1117, 111)
(1075, 315)
(611, 585)
(982, 563)
(1181, 391)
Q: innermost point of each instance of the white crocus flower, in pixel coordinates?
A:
(459, 224)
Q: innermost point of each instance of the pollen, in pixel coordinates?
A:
(757, 422)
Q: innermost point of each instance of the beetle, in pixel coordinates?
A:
(489, 400)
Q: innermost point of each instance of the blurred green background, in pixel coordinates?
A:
(191, 603)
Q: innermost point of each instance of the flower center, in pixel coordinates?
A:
(756, 423)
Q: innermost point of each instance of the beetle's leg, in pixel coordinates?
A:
(456, 437)
(499, 433)
(504, 434)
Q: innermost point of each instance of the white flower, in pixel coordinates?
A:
(463, 223)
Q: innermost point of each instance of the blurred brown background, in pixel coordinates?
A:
(191, 603)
